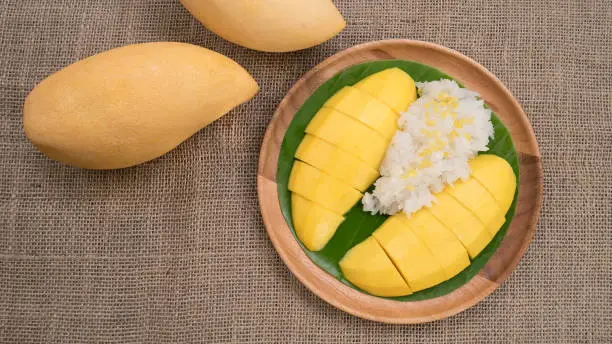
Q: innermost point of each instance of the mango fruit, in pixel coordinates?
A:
(269, 25)
(314, 225)
(368, 267)
(441, 242)
(322, 189)
(489, 170)
(365, 109)
(409, 254)
(132, 104)
(340, 155)
(462, 222)
(332, 160)
(436, 243)
(392, 86)
(349, 135)
(473, 196)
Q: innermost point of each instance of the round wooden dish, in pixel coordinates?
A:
(512, 248)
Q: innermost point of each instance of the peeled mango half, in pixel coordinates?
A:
(340, 155)
(437, 242)
(269, 25)
(132, 104)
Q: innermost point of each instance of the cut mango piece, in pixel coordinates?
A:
(314, 225)
(440, 241)
(349, 135)
(472, 195)
(366, 109)
(392, 86)
(336, 162)
(414, 261)
(497, 224)
(497, 176)
(322, 189)
(470, 231)
(367, 266)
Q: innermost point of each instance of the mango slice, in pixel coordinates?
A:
(497, 176)
(269, 25)
(314, 225)
(470, 231)
(335, 162)
(367, 266)
(346, 141)
(349, 135)
(392, 86)
(440, 241)
(472, 195)
(366, 109)
(322, 189)
(413, 260)
(132, 104)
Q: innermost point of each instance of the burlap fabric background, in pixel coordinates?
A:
(175, 250)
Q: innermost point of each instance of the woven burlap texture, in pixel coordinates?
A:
(175, 250)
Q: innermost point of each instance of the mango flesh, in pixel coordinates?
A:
(314, 225)
(132, 104)
(349, 135)
(344, 145)
(473, 196)
(490, 170)
(411, 257)
(366, 109)
(392, 86)
(470, 231)
(322, 189)
(269, 25)
(435, 244)
(335, 162)
(367, 266)
(440, 241)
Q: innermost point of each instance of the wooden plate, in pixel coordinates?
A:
(512, 248)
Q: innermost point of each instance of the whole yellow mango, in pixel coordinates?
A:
(132, 104)
(269, 25)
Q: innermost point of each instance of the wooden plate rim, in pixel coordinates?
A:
(348, 299)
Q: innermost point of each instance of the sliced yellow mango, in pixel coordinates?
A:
(132, 104)
(322, 189)
(440, 241)
(366, 109)
(472, 195)
(470, 231)
(367, 266)
(349, 135)
(314, 225)
(392, 86)
(269, 25)
(497, 176)
(336, 162)
(414, 261)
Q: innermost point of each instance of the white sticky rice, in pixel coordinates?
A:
(443, 129)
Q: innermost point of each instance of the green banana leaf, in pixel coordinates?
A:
(358, 224)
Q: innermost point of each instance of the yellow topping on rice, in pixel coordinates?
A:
(425, 152)
(425, 163)
(438, 145)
